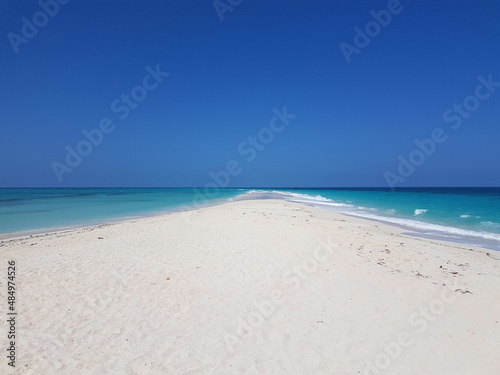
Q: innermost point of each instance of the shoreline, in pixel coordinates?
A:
(407, 230)
(55, 230)
(415, 232)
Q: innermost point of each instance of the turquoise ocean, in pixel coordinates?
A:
(466, 215)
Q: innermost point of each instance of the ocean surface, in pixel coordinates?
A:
(466, 215)
(24, 210)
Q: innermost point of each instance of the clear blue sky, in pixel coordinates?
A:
(353, 120)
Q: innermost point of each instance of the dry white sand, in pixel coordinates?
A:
(251, 287)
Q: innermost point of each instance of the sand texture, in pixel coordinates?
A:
(251, 287)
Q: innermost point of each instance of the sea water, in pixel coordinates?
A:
(24, 210)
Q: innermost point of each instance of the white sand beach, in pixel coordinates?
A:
(251, 287)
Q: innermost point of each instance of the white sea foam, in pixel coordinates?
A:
(315, 200)
(420, 211)
(464, 216)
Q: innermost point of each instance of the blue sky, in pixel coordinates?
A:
(355, 121)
